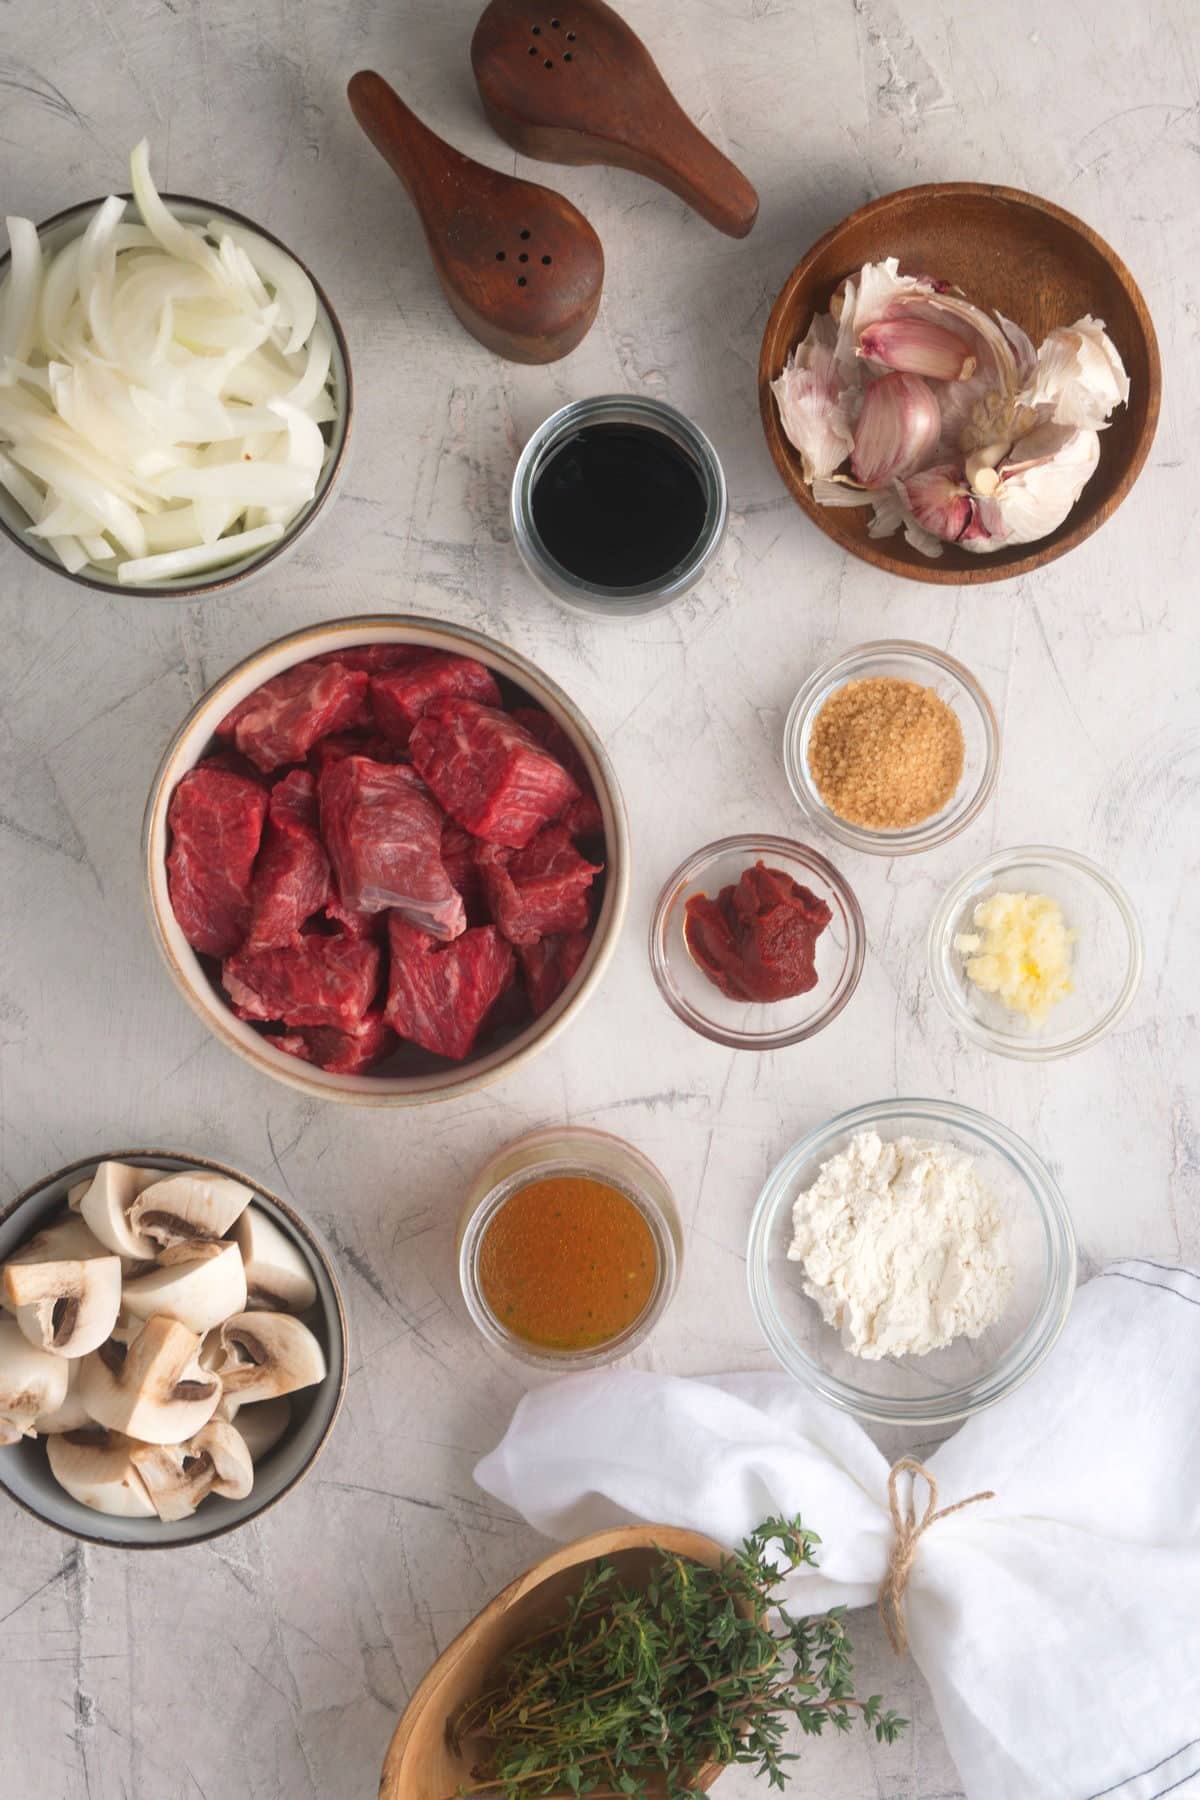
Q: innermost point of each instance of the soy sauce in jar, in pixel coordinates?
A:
(619, 505)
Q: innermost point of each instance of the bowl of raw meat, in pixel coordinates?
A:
(386, 860)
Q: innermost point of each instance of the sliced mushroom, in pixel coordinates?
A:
(126, 1327)
(75, 1194)
(67, 1307)
(261, 1425)
(154, 1388)
(278, 1278)
(66, 1240)
(186, 1209)
(198, 1284)
(268, 1354)
(106, 1204)
(32, 1382)
(96, 1468)
(179, 1476)
(72, 1415)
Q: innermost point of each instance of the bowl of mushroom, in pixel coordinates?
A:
(172, 1349)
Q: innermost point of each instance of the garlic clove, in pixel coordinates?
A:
(897, 429)
(918, 347)
(939, 502)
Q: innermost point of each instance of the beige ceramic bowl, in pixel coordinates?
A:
(411, 1076)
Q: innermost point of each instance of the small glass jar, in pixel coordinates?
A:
(570, 1151)
(618, 409)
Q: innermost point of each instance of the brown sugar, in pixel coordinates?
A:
(885, 753)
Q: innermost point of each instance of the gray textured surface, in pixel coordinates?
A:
(276, 1662)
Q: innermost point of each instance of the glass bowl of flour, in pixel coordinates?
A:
(911, 1262)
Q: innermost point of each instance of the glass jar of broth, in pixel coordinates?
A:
(618, 504)
(569, 1248)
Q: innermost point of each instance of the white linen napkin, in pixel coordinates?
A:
(1058, 1625)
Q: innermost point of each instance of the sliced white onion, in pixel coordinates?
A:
(199, 558)
(161, 399)
(279, 271)
(21, 291)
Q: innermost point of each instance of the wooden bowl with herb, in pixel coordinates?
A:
(424, 1761)
(1008, 252)
(561, 1685)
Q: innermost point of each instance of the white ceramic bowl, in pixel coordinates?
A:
(944, 1386)
(24, 1472)
(411, 1076)
(1106, 959)
(54, 234)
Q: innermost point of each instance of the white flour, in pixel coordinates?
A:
(903, 1248)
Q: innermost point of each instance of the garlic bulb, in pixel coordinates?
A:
(1038, 484)
(956, 429)
(897, 428)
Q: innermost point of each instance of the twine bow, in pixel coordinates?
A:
(908, 1531)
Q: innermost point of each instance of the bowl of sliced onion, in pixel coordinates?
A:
(175, 393)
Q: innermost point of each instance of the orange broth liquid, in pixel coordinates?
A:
(567, 1263)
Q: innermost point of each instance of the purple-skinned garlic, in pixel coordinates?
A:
(897, 429)
(918, 347)
(939, 501)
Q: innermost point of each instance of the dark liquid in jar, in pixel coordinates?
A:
(619, 505)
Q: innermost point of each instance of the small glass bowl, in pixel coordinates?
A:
(618, 409)
(569, 1150)
(946, 1385)
(952, 683)
(740, 1024)
(1106, 964)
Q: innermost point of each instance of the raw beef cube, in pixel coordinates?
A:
(583, 817)
(216, 821)
(293, 1043)
(373, 657)
(291, 876)
(540, 890)
(439, 996)
(282, 720)
(383, 832)
(549, 965)
(311, 981)
(400, 696)
(488, 772)
(341, 744)
(459, 854)
(342, 1052)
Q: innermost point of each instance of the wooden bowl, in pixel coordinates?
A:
(1007, 250)
(421, 1763)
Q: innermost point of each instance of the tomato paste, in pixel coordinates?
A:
(757, 940)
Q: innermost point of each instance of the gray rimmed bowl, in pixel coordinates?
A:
(24, 1472)
(54, 234)
(411, 1076)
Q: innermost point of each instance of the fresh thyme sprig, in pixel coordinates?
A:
(653, 1682)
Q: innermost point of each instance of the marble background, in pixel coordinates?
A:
(276, 1661)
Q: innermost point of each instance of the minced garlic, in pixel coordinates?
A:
(1020, 951)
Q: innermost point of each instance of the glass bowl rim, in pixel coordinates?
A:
(218, 580)
(947, 915)
(485, 1209)
(848, 979)
(1028, 1352)
(910, 840)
